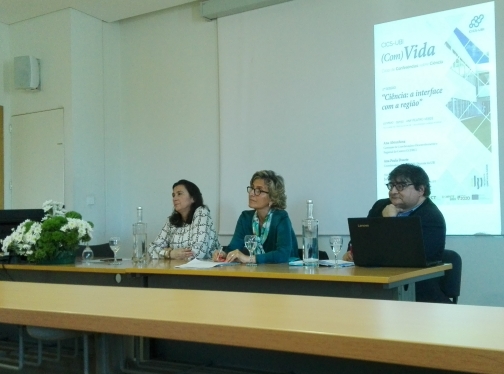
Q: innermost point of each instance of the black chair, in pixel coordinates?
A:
(450, 282)
(13, 361)
(322, 255)
(57, 335)
(99, 250)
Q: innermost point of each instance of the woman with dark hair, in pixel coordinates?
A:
(189, 231)
(268, 220)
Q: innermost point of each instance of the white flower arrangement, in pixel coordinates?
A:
(59, 231)
(23, 238)
(83, 227)
(53, 208)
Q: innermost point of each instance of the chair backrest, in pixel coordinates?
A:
(99, 250)
(450, 282)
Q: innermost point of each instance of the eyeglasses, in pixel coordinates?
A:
(398, 186)
(257, 191)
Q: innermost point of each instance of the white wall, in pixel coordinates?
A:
(5, 59)
(113, 127)
(85, 176)
(482, 260)
(69, 46)
(170, 117)
(158, 118)
(47, 38)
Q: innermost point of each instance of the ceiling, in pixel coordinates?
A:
(12, 11)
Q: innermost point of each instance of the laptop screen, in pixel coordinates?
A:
(387, 242)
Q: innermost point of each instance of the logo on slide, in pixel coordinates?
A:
(476, 21)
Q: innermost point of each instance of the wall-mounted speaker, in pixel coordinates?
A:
(26, 73)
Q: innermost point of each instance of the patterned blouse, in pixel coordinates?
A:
(200, 236)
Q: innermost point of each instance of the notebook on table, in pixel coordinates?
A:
(388, 242)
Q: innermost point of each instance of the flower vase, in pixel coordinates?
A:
(14, 258)
(61, 258)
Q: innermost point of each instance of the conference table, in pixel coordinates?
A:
(165, 276)
(355, 282)
(419, 335)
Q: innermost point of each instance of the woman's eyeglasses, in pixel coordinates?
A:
(257, 191)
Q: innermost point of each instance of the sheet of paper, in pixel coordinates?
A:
(199, 264)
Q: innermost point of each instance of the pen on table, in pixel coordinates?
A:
(218, 253)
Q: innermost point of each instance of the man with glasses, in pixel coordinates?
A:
(409, 191)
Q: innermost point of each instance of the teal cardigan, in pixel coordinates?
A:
(281, 243)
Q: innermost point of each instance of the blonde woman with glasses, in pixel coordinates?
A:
(267, 220)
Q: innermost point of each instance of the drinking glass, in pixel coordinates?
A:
(115, 244)
(336, 243)
(251, 244)
(87, 254)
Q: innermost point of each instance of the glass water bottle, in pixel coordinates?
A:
(139, 238)
(310, 237)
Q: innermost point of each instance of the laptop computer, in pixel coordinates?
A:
(388, 242)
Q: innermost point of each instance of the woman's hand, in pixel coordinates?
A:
(347, 256)
(237, 256)
(219, 256)
(181, 254)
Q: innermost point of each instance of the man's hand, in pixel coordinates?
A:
(390, 211)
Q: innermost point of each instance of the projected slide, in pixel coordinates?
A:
(436, 106)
